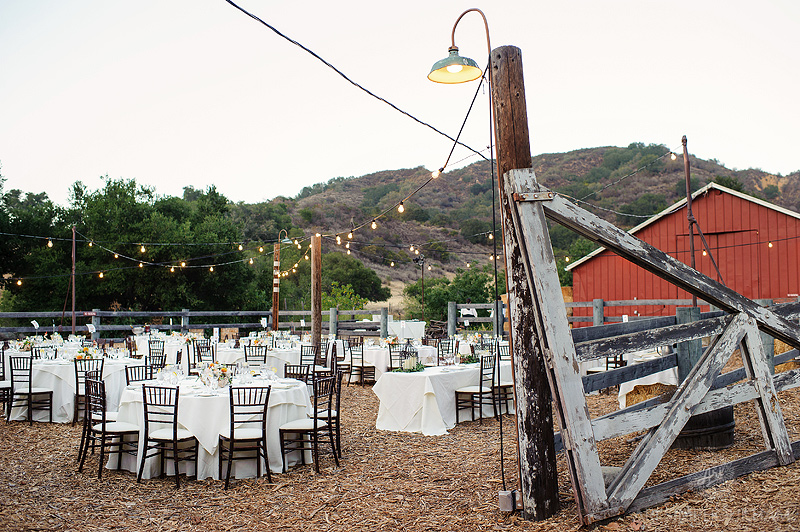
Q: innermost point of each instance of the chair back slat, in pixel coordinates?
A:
(248, 408)
(255, 354)
(160, 407)
(138, 373)
(296, 371)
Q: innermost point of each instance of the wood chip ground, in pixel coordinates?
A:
(387, 481)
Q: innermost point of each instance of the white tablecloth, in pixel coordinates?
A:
(425, 401)
(59, 376)
(206, 417)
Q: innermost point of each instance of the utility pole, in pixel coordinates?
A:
(689, 215)
(537, 457)
(316, 289)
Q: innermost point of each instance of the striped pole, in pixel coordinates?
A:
(276, 280)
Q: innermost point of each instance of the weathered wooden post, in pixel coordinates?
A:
(598, 312)
(333, 322)
(316, 289)
(96, 323)
(710, 430)
(384, 322)
(768, 340)
(537, 459)
(185, 320)
(452, 318)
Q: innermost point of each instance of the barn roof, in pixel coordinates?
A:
(680, 205)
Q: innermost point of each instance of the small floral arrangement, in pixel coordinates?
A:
(392, 340)
(27, 344)
(216, 376)
(56, 338)
(469, 359)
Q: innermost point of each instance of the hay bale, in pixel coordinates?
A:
(644, 392)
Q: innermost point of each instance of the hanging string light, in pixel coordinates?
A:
(374, 224)
(401, 208)
(49, 243)
(100, 275)
(142, 249)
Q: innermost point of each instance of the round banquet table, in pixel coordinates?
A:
(207, 416)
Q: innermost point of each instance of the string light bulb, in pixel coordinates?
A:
(401, 208)
(91, 243)
(566, 259)
(241, 247)
(100, 275)
(769, 244)
(429, 267)
(49, 243)
(411, 247)
(374, 224)
(348, 251)
(416, 252)
(436, 173)
(172, 269)
(350, 235)
(468, 265)
(183, 263)
(391, 264)
(347, 245)
(142, 249)
(19, 282)
(305, 257)
(141, 264)
(260, 250)
(251, 260)
(116, 255)
(705, 253)
(672, 155)
(338, 240)
(491, 236)
(211, 269)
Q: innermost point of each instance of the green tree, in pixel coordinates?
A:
(342, 297)
(644, 206)
(729, 182)
(470, 284)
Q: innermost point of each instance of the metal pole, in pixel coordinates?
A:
(276, 282)
(689, 214)
(73, 279)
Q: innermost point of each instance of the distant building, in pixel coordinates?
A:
(755, 244)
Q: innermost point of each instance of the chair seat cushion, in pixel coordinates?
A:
(303, 424)
(243, 433)
(323, 414)
(110, 416)
(116, 426)
(25, 391)
(473, 389)
(166, 434)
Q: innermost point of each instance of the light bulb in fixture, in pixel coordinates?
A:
(705, 253)
(49, 243)
(100, 275)
(251, 260)
(306, 257)
(416, 252)
(19, 282)
(183, 263)
(374, 224)
(261, 249)
(141, 264)
(429, 268)
(172, 269)
(142, 249)
(348, 251)
(468, 265)
(391, 264)
(338, 240)
(401, 208)
(241, 247)
(411, 247)
(211, 269)
(491, 236)
(436, 173)
(350, 235)
(91, 244)
(566, 259)
(673, 156)
(347, 245)
(116, 255)
(770, 244)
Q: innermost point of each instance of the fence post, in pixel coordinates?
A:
(689, 352)
(598, 317)
(767, 340)
(452, 317)
(333, 320)
(185, 320)
(384, 322)
(96, 323)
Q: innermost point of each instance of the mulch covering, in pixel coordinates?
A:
(387, 481)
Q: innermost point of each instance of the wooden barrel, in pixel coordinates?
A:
(710, 430)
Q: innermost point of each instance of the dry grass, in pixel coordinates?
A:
(387, 481)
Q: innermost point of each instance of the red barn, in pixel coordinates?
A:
(754, 243)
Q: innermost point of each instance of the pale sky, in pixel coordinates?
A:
(194, 92)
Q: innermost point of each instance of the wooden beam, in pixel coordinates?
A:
(554, 340)
(316, 289)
